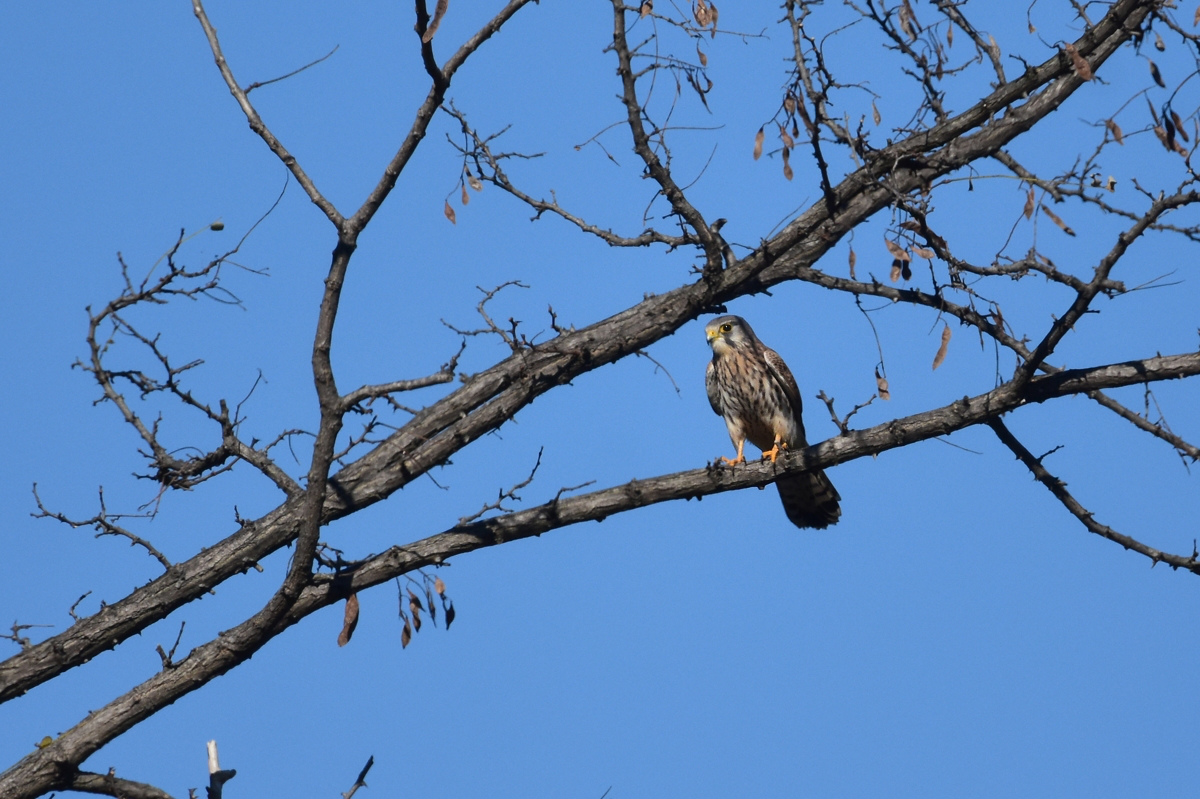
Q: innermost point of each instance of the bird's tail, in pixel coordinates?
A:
(809, 499)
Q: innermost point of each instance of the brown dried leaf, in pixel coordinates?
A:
(758, 143)
(1162, 136)
(406, 635)
(1179, 125)
(896, 250)
(923, 253)
(700, 10)
(712, 16)
(349, 620)
(875, 113)
(941, 353)
(1029, 204)
(1031, 28)
(789, 103)
(1158, 42)
(897, 269)
(1058, 221)
(950, 35)
(1154, 73)
(449, 212)
(647, 7)
(474, 183)
(853, 261)
(881, 386)
(787, 167)
(450, 614)
(1115, 130)
(702, 56)
(1196, 18)
(466, 198)
(438, 13)
(1082, 68)
(786, 138)
(439, 586)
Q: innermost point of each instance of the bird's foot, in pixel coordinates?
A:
(732, 461)
(775, 451)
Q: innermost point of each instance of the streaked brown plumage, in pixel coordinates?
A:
(750, 385)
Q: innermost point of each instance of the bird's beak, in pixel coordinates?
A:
(712, 335)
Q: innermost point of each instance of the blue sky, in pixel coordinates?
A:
(957, 633)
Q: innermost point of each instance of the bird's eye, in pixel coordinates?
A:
(725, 328)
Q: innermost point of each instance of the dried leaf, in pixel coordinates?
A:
(700, 10)
(1153, 113)
(1078, 62)
(449, 212)
(789, 103)
(1154, 73)
(922, 252)
(349, 620)
(474, 183)
(786, 138)
(896, 250)
(853, 261)
(438, 13)
(881, 386)
(414, 601)
(1029, 204)
(701, 55)
(647, 7)
(712, 16)
(450, 615)
(1115, 130)
(875, 113)
(439, 586)
(897, 269)
(1031, 28)
(941, 353)
(1179, 125)
(1196, 18)
(905, 270)
(1058, 221)
(406, 634)
(466, 198)
(758, 143)
(950, 35)
(1111, 185)
(787, 167)
(1158, 42)
(1162, 136)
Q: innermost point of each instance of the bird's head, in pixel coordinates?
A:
(728, 332)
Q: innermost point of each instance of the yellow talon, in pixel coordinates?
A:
(775, 451)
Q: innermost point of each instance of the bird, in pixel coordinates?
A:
(752, 388)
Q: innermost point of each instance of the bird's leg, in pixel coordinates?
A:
(741, 458)
(775, 451)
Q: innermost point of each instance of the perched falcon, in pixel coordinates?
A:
(750, 385)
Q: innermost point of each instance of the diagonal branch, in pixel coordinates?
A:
(1059, 489)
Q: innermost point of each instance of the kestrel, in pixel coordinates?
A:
(750, 385)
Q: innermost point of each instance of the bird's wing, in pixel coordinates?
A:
(783, 376)
(714, 393)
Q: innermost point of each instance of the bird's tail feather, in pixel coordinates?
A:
(809, 499)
